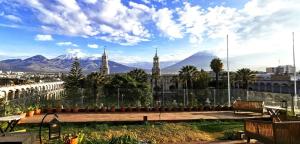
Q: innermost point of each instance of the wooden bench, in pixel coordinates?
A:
(268, 132)
(253, 106)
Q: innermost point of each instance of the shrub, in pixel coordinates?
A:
(125, 139)
(229, 135)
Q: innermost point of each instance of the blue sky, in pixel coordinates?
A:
(259, 31)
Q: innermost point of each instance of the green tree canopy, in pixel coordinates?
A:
(244, 75)
(216, 65)
(139, 75)
(186, 74)
(74, 81)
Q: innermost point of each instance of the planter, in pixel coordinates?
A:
(156, 109)
(181, 109)
(207, 108)
(146, 109)
(122, 109)
(73, 140)
(58, 110)
(195, 108)
(162, 109)
(75, 110)
(30, 113)
(200, 108)
(103, 109)
(67, 110)
(138, 109)
(49, 110)
(129, 109)
(37, 111)
(112, 109)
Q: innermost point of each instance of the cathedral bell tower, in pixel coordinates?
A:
(155, 68)
(104, 68)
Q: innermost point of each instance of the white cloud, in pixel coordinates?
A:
(94, 46)
(66, 44)
(90, 1)
(166, 24)
(11, 17)
(63, 17)
(71, 53)
(41, 37)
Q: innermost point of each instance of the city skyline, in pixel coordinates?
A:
(259, 32)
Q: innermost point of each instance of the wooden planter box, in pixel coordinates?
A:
(285, 132)
(122, 109)
(103, 109)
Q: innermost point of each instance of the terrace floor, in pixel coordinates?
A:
(152, 116)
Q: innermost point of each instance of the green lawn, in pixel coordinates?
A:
(151, 132)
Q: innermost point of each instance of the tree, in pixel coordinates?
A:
(201, 79)
(139, 75)
(73, 82)
(216, 65)
(186, 74)
(93, 83)
(135, 92)
(244, 75)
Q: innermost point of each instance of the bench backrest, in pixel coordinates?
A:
(248, 105)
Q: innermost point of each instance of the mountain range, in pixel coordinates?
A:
(63, 63)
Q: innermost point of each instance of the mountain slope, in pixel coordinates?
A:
(40, 63)
(201, 60)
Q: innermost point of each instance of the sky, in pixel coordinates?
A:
(260, 31)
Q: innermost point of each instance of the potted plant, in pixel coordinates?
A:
(129, 109)
(156, 108)
(37, 109)
(67, 108)
(122, 109)
(146, 108)
(30, 111)
(73, 138)
(112, 108)
(75, 108)
(162, 108)
(20, 111)
(49, 107)
(200, 107)
(58, 107)
(169, 108)
(103, 109)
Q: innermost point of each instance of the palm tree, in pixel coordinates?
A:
(245, 75)
(186, 74)
(139, 75)
(216, 65)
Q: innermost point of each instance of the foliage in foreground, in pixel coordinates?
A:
(149, 133)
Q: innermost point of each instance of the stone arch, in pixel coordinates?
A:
(285, 88)
(10, 95)
(23, 93)
(262, 87)
(17, 94)
(269, 87)
(276, 88)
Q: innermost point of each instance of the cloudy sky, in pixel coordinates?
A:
(260, 31)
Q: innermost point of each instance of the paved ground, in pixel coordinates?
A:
(118, 117)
